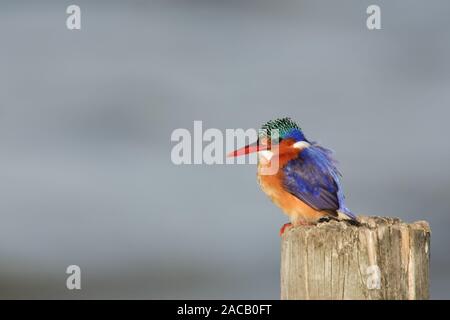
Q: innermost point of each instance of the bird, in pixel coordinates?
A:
(306, 184)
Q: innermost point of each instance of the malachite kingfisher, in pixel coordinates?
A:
(306, 185)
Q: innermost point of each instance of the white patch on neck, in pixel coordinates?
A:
(266, 154)
(301, 145)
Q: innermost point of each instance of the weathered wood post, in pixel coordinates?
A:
(384, 258)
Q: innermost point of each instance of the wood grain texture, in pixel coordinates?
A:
(384, 258)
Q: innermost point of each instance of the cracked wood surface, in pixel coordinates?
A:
(384, 258)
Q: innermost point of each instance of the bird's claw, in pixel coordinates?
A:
(284, 227)
(324, 219)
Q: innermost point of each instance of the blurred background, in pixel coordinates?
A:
(86, 118)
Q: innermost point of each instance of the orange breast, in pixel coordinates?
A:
(298, 211)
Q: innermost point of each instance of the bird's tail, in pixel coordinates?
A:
(346, 212)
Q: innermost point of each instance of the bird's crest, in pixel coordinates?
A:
(285, 126)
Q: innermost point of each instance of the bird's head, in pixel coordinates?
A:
(279, 136)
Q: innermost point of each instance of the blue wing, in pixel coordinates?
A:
(313, 178)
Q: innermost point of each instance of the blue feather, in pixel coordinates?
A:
(313, 178)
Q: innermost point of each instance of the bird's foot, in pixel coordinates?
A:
(324, 219)
(349, 221)
(284, 227)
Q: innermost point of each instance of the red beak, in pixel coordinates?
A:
(255, 147)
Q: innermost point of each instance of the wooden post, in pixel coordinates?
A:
(384, 258)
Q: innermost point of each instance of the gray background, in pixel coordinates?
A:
(86, 118)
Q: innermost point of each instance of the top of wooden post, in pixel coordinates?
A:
(367, 222)
(383, 258)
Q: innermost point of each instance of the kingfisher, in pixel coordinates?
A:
(306, 183)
